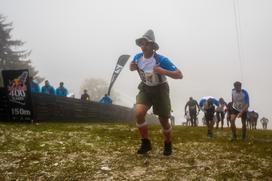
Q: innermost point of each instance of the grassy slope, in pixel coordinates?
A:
(66, 151)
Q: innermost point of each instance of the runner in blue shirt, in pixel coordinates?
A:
(153, 89)
(61, 90)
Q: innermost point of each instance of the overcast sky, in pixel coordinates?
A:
(72, 40)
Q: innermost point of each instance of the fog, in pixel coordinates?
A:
(213, 43)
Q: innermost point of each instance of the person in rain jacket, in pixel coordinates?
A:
(106, 99)
(61, 90)
(48, 89)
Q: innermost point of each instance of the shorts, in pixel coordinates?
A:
(235, 112)
(192, 113)
(156, 96)
(209, 117)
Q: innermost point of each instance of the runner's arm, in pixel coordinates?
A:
(245, 108)
(175, 74)
(133, 66)
(185, 108)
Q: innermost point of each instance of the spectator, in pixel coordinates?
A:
(85, 96)
(61, 90)
(48, 89)
(34, 86)
(106, 99)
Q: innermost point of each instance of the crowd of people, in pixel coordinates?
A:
(48, 89)
(215, 112)
(62, 91)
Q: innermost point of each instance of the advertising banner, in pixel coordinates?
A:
(122, 60)
(16, 83)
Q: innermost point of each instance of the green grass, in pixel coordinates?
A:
(107, 151)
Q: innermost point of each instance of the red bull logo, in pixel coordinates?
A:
(17, 88)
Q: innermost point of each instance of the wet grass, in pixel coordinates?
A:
(107, 151)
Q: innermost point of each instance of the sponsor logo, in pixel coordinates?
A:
(17, 89)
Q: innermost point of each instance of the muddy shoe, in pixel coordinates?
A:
(167, 149)
(145, 146)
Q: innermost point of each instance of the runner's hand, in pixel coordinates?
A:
(157, 69)
(133, 66)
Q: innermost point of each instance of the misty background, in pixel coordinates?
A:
(213, 43)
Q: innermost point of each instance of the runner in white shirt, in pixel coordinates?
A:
(153, 90)
(240, 104)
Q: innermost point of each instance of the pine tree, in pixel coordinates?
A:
(11, 54)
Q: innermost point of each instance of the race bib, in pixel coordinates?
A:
(238, 106)
(150, 78)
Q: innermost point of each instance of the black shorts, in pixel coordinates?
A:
(209, 117)
(156, 96)
(235, 112)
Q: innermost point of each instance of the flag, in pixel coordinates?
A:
(118, 68)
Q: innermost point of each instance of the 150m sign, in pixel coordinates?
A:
(17, 88)
(20, 111)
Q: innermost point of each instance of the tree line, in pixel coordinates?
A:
(12, 54)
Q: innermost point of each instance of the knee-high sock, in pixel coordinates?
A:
(143, 129)
(167, 135)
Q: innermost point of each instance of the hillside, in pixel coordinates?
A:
(86, 151)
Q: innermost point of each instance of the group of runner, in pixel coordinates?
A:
(192, 110)
(237, 108)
